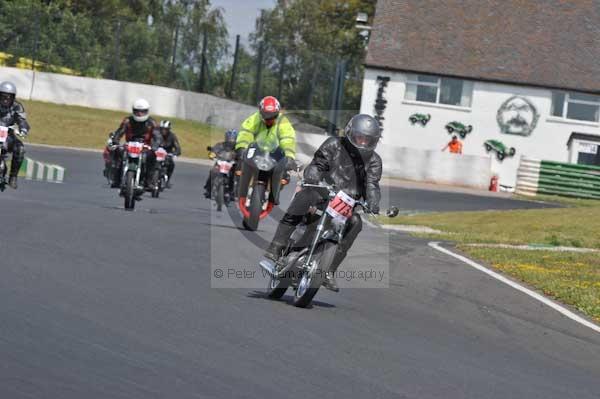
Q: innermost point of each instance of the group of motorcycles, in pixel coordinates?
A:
(255, 184)
(131, 174)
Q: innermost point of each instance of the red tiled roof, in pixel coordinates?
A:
(549, 43)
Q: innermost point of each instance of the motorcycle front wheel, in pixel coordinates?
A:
(310, 281)
(130, 190)
(156, 184)
(255, 209)
(2, 174)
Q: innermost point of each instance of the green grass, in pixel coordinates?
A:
(88, 127)
(572, 278)
(573, 226)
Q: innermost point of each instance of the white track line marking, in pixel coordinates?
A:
(566, 312)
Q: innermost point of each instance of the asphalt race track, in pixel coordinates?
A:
(96, 302)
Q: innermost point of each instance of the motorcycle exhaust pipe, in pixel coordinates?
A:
(268, 266)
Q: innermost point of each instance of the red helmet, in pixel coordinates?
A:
(269, 108)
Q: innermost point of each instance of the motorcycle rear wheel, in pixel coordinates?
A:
(277, 287)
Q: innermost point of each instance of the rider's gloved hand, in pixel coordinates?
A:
(22, 133)
(239, 154)
(290, 163)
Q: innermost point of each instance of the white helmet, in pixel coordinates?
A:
(140, 110)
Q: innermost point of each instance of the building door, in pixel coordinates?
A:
(588, 154)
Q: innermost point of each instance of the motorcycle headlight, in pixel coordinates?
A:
(264, 163)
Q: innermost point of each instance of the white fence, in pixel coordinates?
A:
(420, 165)
(438, 167)
(116, 95)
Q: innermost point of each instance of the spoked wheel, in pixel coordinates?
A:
(310, 281)
(2, 175)
(219, 194)
(156, 184)
(255, 209)
(130, 190)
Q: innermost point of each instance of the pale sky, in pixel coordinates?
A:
(240, 16)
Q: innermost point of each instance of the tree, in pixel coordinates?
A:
(147, 41)
(304, 40)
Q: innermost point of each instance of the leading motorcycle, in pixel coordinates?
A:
(312, 246)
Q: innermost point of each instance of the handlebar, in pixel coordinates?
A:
(333, 191)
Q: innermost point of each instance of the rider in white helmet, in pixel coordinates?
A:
(139, 126)
(12, 113)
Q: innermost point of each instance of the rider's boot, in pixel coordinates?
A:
(12, 182)
(329, 280)
(15, 165)
(280, 239)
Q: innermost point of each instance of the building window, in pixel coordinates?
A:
(577, 106)
(433, 89)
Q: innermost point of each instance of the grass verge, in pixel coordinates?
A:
(573, 278)
(74, 126)
(576, 226)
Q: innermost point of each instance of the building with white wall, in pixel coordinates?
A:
(515, 78)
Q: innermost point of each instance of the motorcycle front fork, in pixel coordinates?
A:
(319, 233)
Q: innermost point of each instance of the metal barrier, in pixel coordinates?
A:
(556, 178)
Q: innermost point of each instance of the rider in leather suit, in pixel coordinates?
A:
(352, 165)
(139, 126)
(12, 112)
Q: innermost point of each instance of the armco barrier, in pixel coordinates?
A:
(556, 178)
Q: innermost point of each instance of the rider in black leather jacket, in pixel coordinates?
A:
(12, 112)
(351, 164)
(167, 139)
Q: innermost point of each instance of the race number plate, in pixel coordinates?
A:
(134, 149)
(341, 206)
(161, 155)
(224, 166)
(3, 134)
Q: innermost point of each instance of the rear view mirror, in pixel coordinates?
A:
(392, 212)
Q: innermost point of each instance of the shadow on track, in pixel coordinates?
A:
(288, 299)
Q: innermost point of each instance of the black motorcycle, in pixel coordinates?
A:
(263, 167)
(133, 167)
(222, 177)
(160, 178)
(312, 246)
(4, 132)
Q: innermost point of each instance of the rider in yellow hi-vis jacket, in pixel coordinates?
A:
(265, 124)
